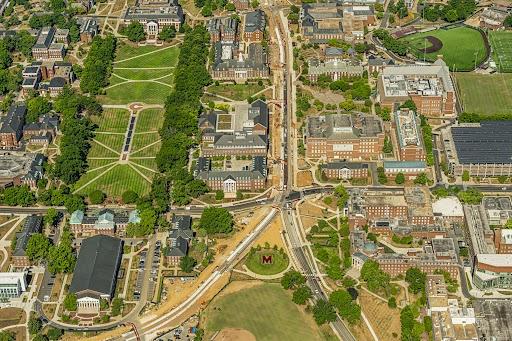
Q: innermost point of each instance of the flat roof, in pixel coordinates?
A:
(487, 142)
(448, 207)
(504, 260)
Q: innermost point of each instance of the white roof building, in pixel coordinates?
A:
(448, 207)
(12, 284)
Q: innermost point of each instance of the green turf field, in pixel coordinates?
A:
(255, 264)
(147, 71)
(501, 43)
(265, 310)
(460, 47)
(107, 172)
(485, 94)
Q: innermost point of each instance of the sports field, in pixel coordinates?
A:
(108, 170)
(485, 94)
(265, 310)
(501, 43)
(141, 74)
(460, 46)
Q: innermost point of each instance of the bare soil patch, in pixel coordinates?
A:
(272, 234)
(234, 334)
(385, 321)
(436, 45)
(11, 317)
(304, 178)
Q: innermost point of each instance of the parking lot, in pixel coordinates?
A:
(154, 258)
(493, 319)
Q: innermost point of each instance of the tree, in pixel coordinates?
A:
(74, 202)
(167, 34)
(40, 337)
(416, 279)
(34, 325)
(187, 264)
(37, 247)
(216, 220)
(342, 195)
(54, 333)
(129, 197)
(323, 312)
(400, 178)
(451, 15)
(135, 31)
(37, 107)
(465, 175)
(51, 217)
(388, 145)
(255, 4)
(7, 336)
(471, 196)
(61, 257)
(421, 179)
(292, 279)
(219, 195)
(374, 277)
(117, 306)
(346, 307)
(508, 21)
(98, 64)
(96, 197)
(18, 196)
(70, 303)
(146, 226)
(301, 295)
(392, 302)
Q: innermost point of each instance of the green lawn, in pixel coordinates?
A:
(161, 57)
(485, 94)
(127, 51)
(265, 310)
(148, 163)
(96, 163)
(114, 141)
(117, 180)
(237, 92)
(254, 262)
(460, 46)
(149, 120)
(147, 92)
(501, 43)
(143, 140)
(100, 151)
(149, 151)
(112, 120)
(138, 74)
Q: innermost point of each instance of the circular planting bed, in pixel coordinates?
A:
(435, 45)
(267, 261)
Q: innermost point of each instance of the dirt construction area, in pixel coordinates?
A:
(234, 334)
(384, 320)
(272, 234)
(304, 178)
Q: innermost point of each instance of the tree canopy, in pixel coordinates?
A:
(347, 308)
(216, 220)
(416, 279)
(323, 312)
(292, 279)
(98, 64)
(374, 277)
(37, 247)
(134, 31)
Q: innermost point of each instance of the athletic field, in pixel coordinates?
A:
(501, 43)
(485, 94)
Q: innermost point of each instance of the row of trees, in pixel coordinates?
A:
(77, 133)
(60, 258)
(183, 106)
(476, 118)
(98, 64)
(394, 45)
(455, 10)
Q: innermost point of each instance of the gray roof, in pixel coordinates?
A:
(235, 175)
(256, 58)
(33, 224)
(340, 126)
(14, 120)
(179, 248)
(45, 38)
(97, 266)
(255, 21)
(240, 140)
(173, 12)
(488, 142)
(377, 61)
(182, 222)
(348, 165)
(57, 82)
(258, 112)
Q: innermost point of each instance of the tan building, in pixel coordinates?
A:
(345, 170)
(503, 240)
(420, 206)
(429, 86)
(350, 137)
(408, 135)
(439, 255)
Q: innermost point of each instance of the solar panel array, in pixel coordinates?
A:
(489, 143)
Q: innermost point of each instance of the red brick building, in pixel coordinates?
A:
(349, 137)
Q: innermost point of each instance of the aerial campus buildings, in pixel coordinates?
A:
(482, 149)
(429, 86)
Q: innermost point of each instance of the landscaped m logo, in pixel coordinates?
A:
(266, 259)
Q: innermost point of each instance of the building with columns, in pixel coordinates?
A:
(95, 274)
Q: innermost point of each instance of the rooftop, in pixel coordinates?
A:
(448, 207)
(487, 142)
(407, 128)
(340, 126)
(498, 260)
